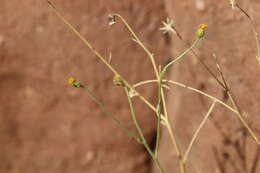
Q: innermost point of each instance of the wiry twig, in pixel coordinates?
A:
(159, 110)
(256, 161)
(142, 134)
(139, 42)
(203, 122)
(105, 110)
(254, 30)
(235, 105)
(192, 89)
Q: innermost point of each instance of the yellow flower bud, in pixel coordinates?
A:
(201, 31)
(203, 26)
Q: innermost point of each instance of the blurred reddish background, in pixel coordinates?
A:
(48, 126)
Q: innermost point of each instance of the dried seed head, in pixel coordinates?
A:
(232, 3)
(167, 26)
(111, 19)
(118, 81)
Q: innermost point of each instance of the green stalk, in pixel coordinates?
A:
(180, 56)
(144, 142)
(110, 114)
(158, 112)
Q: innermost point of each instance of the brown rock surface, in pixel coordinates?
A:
(47, 126)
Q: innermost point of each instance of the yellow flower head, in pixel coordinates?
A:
(203, 26)
(201, 31)
(71, 81)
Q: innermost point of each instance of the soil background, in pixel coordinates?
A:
(47, 126)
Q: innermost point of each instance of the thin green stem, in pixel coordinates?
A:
(199, 59)
(164, 102)
(203, 122)
(160, 91)
(166, 119)
(157, 162)
(181, 55)
(158, 123)
(110, 114)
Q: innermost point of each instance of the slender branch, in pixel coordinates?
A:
(194, 90)
(256, 161)
(161, 97)
(166, 118)
(110, 114)
(170, 129)
(176, 146)
(159, 110)
(220, 72)
(181, 55)
(168, 125)
(199, 59)
(203, 122)
(241, 118)
(254, 30)
(203, 93)
(235, 105)
(145, 82)
(139, 42)
(141, 133)
(207, 69)
(64, 20)
(150, 81)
